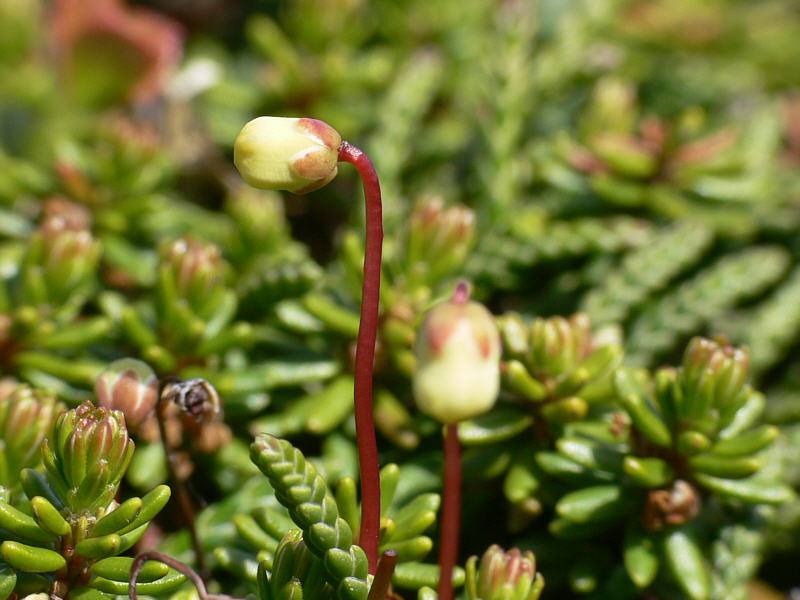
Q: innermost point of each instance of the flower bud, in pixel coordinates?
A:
(129, 386)
(458, 360)
(558, 345)
(87, 456)
(196, 267)
(67, 258)
(279, 153)
(439, 237)
(504, 576)
(715, 369)
(26, 418)
(60, 213)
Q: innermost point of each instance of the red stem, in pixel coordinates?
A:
(451, 512)
(365, 355)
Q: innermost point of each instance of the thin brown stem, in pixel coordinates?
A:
(190, 573)
(179, 486)
(365, 354)
(451, 512)
(381, 585)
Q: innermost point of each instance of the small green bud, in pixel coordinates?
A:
(278, 153)
(129, 386)
(439, 237)
(504, 575)
(259, 216)
(88, 454)
(559, 345)
(196, 267)
(66, 258)
(714, 372)
(26, 418)
(458, 360)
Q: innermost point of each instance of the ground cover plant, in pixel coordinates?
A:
(358, 300)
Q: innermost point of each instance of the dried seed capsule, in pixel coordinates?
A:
(195, 397)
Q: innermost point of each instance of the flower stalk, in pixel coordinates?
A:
(451, 511)
(300, 156)
(365, 354)
(166, 393)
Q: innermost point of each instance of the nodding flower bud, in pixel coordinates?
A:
(458, 360)
(129, 386)
(197, 398)
(280, 153)
(504, 575)
(86, 457)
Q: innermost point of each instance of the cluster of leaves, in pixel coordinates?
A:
(634, 161)
(62, 530)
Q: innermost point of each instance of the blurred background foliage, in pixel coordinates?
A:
(634, 160)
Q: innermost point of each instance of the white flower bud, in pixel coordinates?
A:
(458, 360)
(280, 153)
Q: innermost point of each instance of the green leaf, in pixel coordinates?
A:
(8, 581)
(644, 417)
(750, 442)
(755, 490)
(30, 558)
(389, 476)
(48, 516)
(26, 527)
(87, 593)
(410, 549)
(648, 472)
(495, 426)
(99, 547)
(729, 467)
(414, 575)
(640, 557)
(685, 561)
(152, 503)
(118, 568)
(161, 586)
(596, 503)
(122, 516)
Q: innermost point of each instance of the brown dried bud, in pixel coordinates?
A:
(672, 506)
(197, 398)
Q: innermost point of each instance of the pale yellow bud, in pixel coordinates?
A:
(458, 361)
(280, 153)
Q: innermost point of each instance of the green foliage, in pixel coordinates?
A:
(632, 161)
(66, 531)
(305, 494)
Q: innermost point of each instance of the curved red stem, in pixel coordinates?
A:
(451, 512)
(365, 354)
